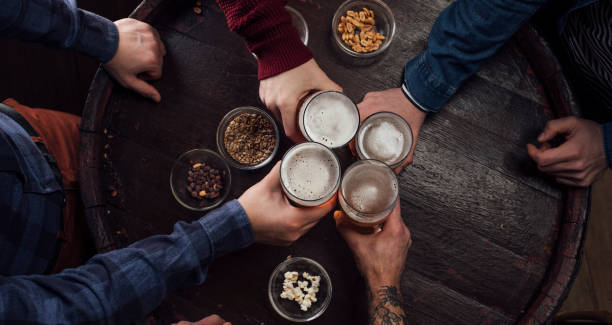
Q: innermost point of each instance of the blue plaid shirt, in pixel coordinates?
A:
(31, 202)
(59, 23)
(123, 286)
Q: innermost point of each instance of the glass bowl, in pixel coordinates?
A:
(221, 133)
(289, 309)
(385, 25)
(298, 21)
(179, 182)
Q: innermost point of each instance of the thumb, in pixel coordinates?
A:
(328, 84)
(558, 126)
(142, 87)
(273, 177)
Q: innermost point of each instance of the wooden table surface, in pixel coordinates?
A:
(494, 241)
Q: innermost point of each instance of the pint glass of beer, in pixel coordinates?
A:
(386, 137)
(310, 174)
(368, 192)
(329, 118)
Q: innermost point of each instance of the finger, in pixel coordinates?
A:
(568, 181)
(142, 87)
(553, 156)
(273, 178)
(312, 215)
(572, 167)
(558, 126)
(155, 71)
(291, 129)
(211, 320)
(328, 84)
(394, 222)
(162, 47)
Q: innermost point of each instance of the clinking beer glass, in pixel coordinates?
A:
(328, 117)
(368, 193)
(310, 174)
(384, 136)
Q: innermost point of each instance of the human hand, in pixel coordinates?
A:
(579, 160)
(394, 100)
(139, 57)
(380, 256)
(210, 320)
(283, 93)
(274, 220)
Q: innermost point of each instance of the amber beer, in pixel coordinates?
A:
(310, 174)
(368, 192)
(386, 137)
(329, 118)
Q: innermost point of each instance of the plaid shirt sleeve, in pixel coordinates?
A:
(59, 23)
(124, 285)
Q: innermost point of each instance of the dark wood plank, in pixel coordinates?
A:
(494, 241)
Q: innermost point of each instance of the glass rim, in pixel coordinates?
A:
(299, 15)
(228, 180)
(362, 125)
(228, 117)
(324, 275)
(369, 161)
(338, 180)
(315, 95)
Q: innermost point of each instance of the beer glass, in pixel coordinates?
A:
(310, 174)
(384, 136)
(329, 118)
(368, 192)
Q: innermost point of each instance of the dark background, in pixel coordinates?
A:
(49, 78)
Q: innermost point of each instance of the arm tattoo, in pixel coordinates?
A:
(388, 310)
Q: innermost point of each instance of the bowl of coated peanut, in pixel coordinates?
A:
(363, 28)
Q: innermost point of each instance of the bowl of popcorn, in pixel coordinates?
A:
(299, 289)
(363, 28)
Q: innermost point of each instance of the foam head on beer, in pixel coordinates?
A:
(384, 136)
(310, 174)
(329, 118)
(369, 191)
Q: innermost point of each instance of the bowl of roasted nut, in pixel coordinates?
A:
(299, 289)
(248, 138)
(200, 179)
(363, 29)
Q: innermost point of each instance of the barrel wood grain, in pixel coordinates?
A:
(494, 241)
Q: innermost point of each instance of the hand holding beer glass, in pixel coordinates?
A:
(273, 219)
(282, 93)
(394, 100)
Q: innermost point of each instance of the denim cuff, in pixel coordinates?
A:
(228, 228)
(423, 88)
(607, 142)
(97, 37)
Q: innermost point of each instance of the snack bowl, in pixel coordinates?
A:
(179, 182)
(385, 25)
(289, 309)
(227, 119)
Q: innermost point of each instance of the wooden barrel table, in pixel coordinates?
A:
(495, 241)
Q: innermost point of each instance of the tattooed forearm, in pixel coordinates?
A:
(386, 306)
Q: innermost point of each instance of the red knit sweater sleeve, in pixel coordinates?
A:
(266, 27)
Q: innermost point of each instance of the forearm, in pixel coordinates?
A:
(386, 304)
(266, 28)
(59, 23)
(465, 34)
(124, 285)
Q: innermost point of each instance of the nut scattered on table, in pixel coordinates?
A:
(249, 138)
(359, 32)
(204, 181)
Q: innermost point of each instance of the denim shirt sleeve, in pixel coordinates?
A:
(607, 141)
(462, 38)
(122, 286)
(59, 23)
